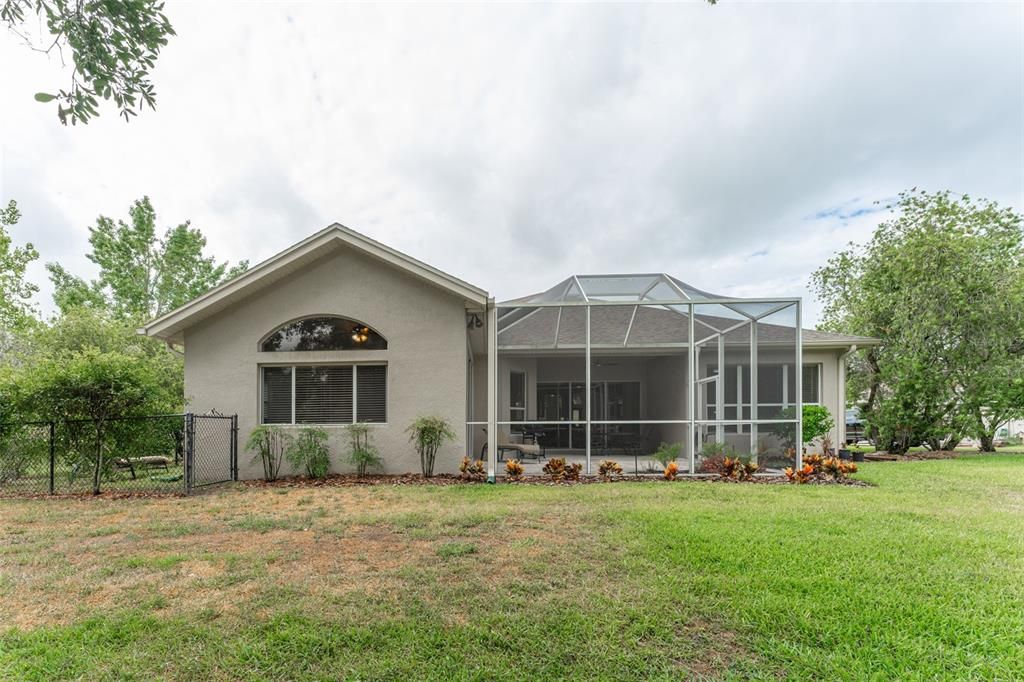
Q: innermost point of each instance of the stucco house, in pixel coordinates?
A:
(340, 328)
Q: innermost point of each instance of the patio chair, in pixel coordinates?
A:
(525, 449)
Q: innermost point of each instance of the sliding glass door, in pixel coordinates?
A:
(566, 402)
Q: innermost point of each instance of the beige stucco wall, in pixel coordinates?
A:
(426, 332)
(831, 394)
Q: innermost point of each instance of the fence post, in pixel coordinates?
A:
(234, 447)
(190, 439)
(53, 452)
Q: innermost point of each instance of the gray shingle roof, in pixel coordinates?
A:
(646, 326)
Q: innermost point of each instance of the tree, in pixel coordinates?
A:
(15, 291)
(942, 284)
(81, 329)
(141, 275)
(90, 385)
(428, 434)
(113, 46)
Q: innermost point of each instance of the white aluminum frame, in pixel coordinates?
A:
(692, 420)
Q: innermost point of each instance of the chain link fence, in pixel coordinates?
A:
(172, 453)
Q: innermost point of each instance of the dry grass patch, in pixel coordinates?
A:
(222, 550)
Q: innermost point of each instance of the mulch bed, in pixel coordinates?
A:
(351, 480)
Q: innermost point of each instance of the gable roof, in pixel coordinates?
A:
(171, 325)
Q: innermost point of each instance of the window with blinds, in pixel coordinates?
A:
(277, 395)
(371, 393)
(324, 394)
(812, 383)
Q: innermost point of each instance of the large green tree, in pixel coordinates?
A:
(112, 46)
(142, 274)
(15, 290)
(942, 284)
(92, 385)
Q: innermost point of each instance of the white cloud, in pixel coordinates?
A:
(513, 145)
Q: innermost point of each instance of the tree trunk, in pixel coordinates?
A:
(98, 469)
(987, 441)
(899, 444)
(951, 442)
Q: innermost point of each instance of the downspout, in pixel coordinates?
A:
(841, 397)
(492, 390)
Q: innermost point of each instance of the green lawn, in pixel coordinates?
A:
(919, 577)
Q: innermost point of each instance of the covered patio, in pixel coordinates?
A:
(616, 366)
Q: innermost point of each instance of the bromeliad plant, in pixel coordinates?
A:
(270, 443)
(427, 435)
(309, 451)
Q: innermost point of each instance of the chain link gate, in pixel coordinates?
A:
(211, 450)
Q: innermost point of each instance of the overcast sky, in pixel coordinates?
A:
(734, 146)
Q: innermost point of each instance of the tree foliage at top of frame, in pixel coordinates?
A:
(942, 284)
(141, 275)
(15, 290)
(113, 46)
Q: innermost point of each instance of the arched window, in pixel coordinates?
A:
(324, 333)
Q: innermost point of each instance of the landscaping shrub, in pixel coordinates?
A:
(270, 443)
(555, 468)
(473, 469)
(738, 468)
(671, 471)
(609, 469)
(837, 468)
(820, 469)
(713, 456)
(22, 452)
(428, 434)
(362, 453)
(814, 461)
(309, 452)
(572, 471)
(802, 475)
(514, 469)
(667, 453)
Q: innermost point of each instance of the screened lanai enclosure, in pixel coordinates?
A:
(620, 366)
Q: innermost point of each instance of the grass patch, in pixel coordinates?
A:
(450, 550)
(916, 578)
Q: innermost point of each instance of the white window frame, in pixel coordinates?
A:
(787, 400)
(355, 393)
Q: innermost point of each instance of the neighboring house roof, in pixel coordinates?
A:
(171, 325)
